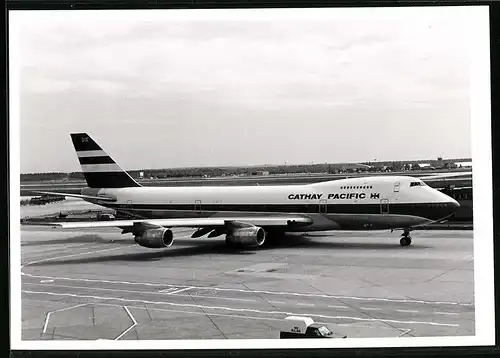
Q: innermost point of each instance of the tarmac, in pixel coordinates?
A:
(98, 284)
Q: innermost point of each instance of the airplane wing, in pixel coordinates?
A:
(265, 221)
(103, 198)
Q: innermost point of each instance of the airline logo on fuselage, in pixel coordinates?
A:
(334, 196)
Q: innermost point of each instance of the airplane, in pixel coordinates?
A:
(249, 215)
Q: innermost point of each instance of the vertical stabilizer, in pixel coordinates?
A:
(99, 169)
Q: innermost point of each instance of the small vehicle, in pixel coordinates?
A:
(105, 217)
(304, 327)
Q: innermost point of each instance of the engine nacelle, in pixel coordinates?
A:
(156, 238)
(247, 236)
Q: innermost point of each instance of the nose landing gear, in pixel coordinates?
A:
(405, 238)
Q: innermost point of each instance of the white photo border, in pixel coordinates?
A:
(478, 38)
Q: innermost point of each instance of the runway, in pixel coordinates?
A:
(101, 285)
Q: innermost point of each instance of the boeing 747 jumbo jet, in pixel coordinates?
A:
(247, 215)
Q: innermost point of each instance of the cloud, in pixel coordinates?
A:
(268, 79)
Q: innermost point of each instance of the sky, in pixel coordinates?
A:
(170, 88)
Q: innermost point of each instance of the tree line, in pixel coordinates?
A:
(200, 172)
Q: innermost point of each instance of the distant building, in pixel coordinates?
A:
(424, 166)
(463, 164)
(260, 172)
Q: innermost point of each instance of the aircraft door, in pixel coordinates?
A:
(197, 206)
(384, 206)
(396, 186)
(322, 206)
(129, 204)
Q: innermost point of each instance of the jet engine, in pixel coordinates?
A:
(155, 238)
(247, 236)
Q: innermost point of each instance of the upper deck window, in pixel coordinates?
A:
(417, 183)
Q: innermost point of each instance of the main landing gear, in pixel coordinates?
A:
(405, 238)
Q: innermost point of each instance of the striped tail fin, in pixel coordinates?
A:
(99, 169)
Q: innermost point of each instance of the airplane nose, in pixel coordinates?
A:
(454, 204)
(451, 207)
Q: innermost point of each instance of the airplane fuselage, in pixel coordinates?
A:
(368, 203)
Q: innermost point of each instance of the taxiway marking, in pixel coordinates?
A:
(82, 253)
(45, 250)
(277, 293)
(190, 305)
(134, 323)
(166, 290)
(47, 317)
(405, 332)
(407, 311)
(366, 326)
(305, 304)
(179, 291)
(193, 312)
(140, 292)
(370, 309)
(71, 255)
(448, 313)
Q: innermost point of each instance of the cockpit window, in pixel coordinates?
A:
(417, 183)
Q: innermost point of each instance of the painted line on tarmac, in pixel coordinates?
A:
(278, 293)
(176, 292)
(179, 291)
(139, 292)
(45, 250)
(61, 251)
(192, 312)
(134, 323)
(356, 325)
(120, 299)
(66, 256)
(47, 317)
(81, 253)
(167, 290)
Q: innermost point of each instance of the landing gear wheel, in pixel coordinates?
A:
(405, 241)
